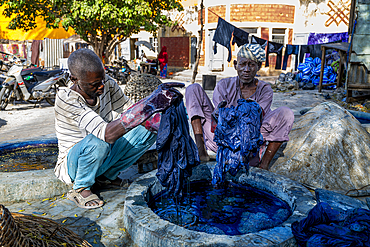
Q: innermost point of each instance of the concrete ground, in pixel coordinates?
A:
(104, 226)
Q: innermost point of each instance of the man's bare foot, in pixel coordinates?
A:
(85, 194)
(84, 198)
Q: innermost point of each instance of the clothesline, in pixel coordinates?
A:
(214, 13)
(227, 33)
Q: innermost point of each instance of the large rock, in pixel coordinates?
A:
(328, 149)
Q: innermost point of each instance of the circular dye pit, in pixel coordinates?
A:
(27, 169)
(254, 210)
(32, 156)
(232, 210)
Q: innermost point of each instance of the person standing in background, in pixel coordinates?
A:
(163, 60)
(36, 47)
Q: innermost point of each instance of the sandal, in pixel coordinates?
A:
(81, 201)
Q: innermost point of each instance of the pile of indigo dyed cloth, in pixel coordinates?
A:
(309, 72)
(177, 152)
(328, 226)
(237, 136)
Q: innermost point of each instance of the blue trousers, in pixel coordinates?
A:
(93, 157)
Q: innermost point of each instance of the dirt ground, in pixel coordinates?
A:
(24, 120)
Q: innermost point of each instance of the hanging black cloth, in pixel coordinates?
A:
(240, 37)
(256, 40)
(291, 50)
(304, 50)
(223, 36)
(273, 47)
(313, 50)
(177, 152)
(226, 34)
(237, 136)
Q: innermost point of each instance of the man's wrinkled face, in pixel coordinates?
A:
(92, 84)
(246, 68)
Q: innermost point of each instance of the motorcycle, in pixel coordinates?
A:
(31, 85)
(120, 71)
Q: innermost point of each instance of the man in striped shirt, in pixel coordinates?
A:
(93, 143)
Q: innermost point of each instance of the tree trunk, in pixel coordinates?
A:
(195, 71)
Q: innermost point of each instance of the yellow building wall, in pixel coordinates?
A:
(39, 33)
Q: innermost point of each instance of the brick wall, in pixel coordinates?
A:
(262, 13)
(178, 51)
(216, 11)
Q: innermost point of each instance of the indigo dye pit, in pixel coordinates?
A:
(233, 210)
(28, 156)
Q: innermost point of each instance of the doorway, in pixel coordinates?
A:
(216, 61)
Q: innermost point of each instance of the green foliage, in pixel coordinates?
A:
(102, 23)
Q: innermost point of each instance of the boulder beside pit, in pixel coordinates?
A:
(328, 149)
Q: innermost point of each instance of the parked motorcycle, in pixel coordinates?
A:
(120, 71)
(31, 85)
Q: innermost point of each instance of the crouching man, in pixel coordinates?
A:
(93, 144)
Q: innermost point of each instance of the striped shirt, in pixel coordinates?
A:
(75, 119)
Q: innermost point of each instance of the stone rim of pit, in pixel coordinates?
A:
(148, 229)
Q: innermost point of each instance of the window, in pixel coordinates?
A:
(278, 35)
(154, 43)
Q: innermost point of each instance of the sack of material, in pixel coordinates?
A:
(329, 149)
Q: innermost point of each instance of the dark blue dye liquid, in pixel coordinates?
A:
(26, 159)
(233, 210)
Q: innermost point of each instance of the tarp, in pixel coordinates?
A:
(39, 33)
(328, 149)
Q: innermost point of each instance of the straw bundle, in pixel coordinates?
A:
(19, 230)
(140, 86)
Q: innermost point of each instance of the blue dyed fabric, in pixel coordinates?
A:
(237, 135)
(177, 152)
(309, 71)
(323, 38)
(328, 226)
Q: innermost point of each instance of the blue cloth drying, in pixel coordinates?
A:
(327, 226)
(237, 136)
(177, 152)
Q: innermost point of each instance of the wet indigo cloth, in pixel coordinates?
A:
(291, 50)
(177, 152)
(237, 136)
(328, 226)
(273, 47)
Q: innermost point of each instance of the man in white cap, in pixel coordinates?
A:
(276, 124)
